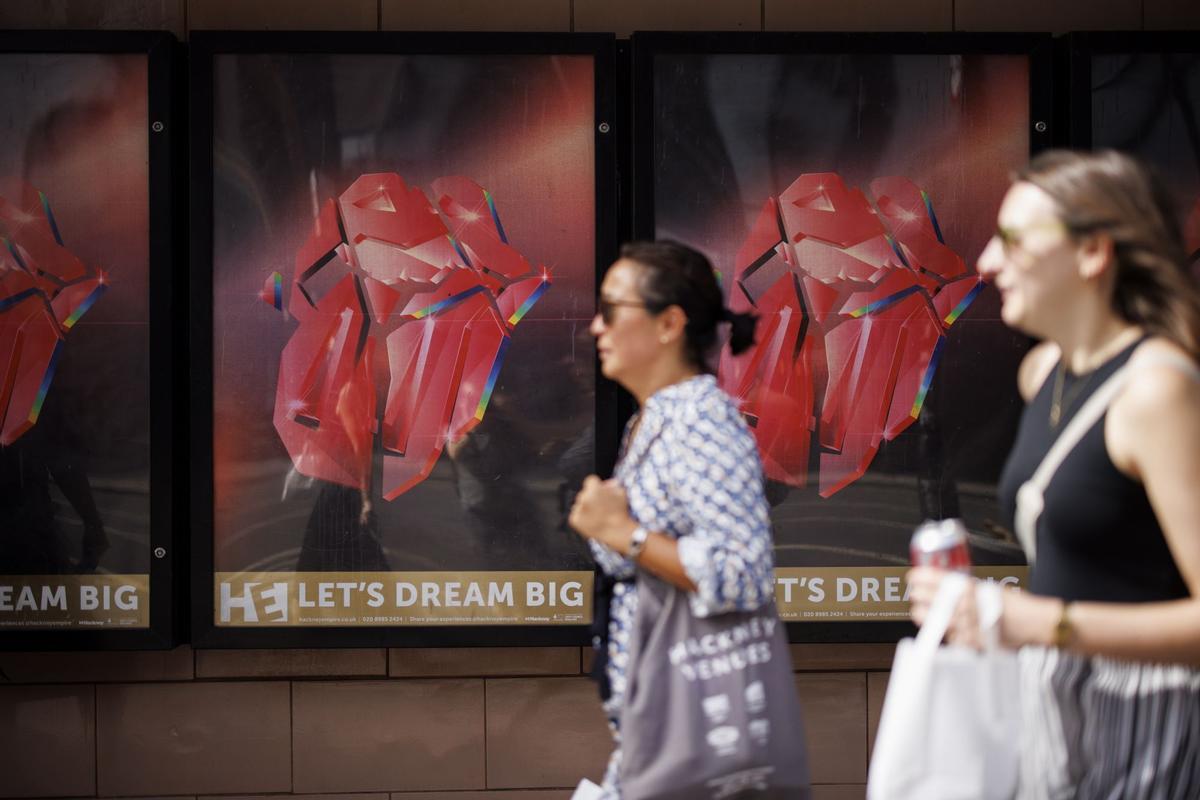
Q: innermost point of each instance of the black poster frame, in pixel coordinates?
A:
(1077, 49)
(646, 46)
(167, 617)
(204, 47)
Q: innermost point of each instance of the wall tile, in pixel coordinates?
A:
(544, 732)
(291, 663)
(1038, 15)
(625, 16)
(206, 738)
(164, 15)
(846, 792)
(366, 736)
(806, 657)
(532, 794)
(858, 15)
(375, 796)
(476, 15)
(1171, 15)
(587, 657)
(283, 15)
(98, 667)
(835, 716)
(47, 741)
(431, 662)
(876, 688)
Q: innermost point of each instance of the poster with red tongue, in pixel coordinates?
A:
(403, 270)
(85, 340)
(843, 190)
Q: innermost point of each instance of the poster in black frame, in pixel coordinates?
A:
(91, 157)
(1139, 92)
(371, 172)
(743, 140)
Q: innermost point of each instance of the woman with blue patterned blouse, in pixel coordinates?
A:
(687, 501)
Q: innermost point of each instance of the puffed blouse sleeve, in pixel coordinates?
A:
(613, 563)
(717, 478)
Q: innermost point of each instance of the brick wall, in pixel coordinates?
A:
(423, 724)
(463, 724)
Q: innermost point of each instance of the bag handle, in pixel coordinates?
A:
(941, 612)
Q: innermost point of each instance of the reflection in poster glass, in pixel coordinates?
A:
(403, 384)
(1148, 104)
(74, 341)
(844, 199)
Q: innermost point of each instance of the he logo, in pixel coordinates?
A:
(274, 597)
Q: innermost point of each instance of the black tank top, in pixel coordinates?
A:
(1097, 537)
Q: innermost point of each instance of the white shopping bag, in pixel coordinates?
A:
(950, 718)
(586, 790)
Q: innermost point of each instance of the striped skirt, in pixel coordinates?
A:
(1098, 728)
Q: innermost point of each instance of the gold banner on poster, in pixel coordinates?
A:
(858, 594)
(74, 601)
(358, 599)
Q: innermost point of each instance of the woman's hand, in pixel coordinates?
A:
(1024, 618)
(923, 585)
(601, 512)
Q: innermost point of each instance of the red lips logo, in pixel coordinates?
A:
(422, 302)
(854, 300)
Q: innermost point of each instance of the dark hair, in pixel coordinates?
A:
(676, 275)
(1113, 193)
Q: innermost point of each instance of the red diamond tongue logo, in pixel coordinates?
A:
(854, 297)
(44, 290)
(404, 349)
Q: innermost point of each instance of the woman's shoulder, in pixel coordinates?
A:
(1035, 368)
(1158, 353)
(705, 399)
(1163, 375)
(687, 403)
(1158, 407)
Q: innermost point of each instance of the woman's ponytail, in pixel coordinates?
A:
(741, 331)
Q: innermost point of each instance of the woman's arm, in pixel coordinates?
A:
(601, 514)
(1153, 435)
(716, 477)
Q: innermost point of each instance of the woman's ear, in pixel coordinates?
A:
(672, 324)
(1096, 256)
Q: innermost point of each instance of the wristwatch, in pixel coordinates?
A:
(637, 542)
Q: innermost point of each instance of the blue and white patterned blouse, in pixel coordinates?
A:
(692, 472)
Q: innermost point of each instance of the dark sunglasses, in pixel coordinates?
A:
(607, 308)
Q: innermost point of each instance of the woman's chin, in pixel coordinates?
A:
(1010, 315)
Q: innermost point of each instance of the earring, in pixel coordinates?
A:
(664, 339)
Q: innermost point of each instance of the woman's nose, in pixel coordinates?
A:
(991, 259)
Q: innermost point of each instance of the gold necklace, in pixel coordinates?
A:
(1057, 401)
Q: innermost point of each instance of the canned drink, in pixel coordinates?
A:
(942, 544)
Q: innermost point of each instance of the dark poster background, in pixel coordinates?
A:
(75, 486)
(731, 131)
(290, 132)
(1148, 103)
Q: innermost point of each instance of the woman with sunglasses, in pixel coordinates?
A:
(1088, 258)
(687, 501)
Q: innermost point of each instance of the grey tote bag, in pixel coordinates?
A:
(711, 711)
